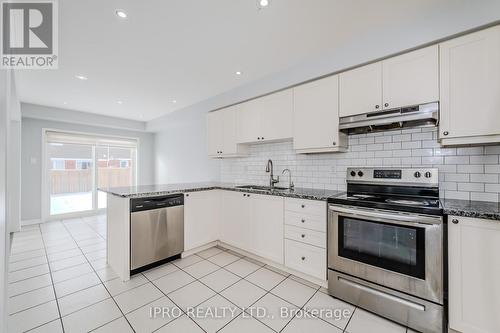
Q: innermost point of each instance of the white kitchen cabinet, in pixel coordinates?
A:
(201, 218)
(306, 258)
(316, 117)
(411, 78)
(474, 274)
(235, 219)
(408, 79)
(264, 119)
(360, 90)
(266, 226)
(469, 88)
(221, 128)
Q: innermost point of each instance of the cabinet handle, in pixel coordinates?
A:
(258, 138)
(386, 104)
(455, 221)
(445, 133)
(187, 195)
(303, 258)
(302, 220)
(248, 195)
(334, 143)
(262, 138)
(377, 106)
(303, 206)
(303, 236)
(244, 195)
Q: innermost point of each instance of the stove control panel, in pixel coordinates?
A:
(393, 175)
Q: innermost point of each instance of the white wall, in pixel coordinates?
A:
(181, 150)
(31, 157)
(14, 160)
(6, 79)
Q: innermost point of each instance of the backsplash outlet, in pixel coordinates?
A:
(465, 172)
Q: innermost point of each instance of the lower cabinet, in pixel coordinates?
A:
(474, 274)
(266, 227)
(235, 219)
(305, 258)
(253, 223)
(201, 218)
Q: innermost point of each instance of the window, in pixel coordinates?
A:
(79, 164)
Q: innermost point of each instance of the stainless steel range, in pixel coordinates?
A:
(385, 245)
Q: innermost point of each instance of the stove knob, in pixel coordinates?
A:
(360, 173)
(353, 173)
(417, 174)
(428, 174)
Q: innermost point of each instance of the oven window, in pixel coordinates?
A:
(390, 246)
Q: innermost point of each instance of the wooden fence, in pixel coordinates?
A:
(75, 181)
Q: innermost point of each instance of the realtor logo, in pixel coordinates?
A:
(29, 34)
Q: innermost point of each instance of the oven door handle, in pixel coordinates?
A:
(402, 219)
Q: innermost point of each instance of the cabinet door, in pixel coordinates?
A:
(411, 78)
(316, 114)
(266, 225)
(235, 213)
(228, 116)
(248, 122)
(201, 216)
(215, 133)
(276, 115)
(470, 85)
(474, 273)
(361, 90)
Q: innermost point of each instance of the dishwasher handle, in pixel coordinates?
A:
(141, 204)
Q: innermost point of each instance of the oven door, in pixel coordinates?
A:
(401, 251)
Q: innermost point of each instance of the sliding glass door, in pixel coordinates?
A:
(70, 177)
(115, 168)
(78, 164)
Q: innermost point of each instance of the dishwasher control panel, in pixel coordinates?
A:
(140, 204)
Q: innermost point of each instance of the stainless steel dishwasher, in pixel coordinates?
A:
(156, 231)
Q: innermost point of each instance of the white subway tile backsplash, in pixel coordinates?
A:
(471, 187)
(465, 172)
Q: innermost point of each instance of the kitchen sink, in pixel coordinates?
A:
(262, 188)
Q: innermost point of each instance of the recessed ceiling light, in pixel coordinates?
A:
(119, 102)
(262, 3)
(238, 73)
(174, 101)
(65, 103)
(121, 14)
(81, 77)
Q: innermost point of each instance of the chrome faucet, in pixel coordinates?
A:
(291, 186)
(272, 180)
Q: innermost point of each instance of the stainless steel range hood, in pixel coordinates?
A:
(424, 115)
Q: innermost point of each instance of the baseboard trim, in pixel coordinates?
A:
(315, 280)
(30, 222)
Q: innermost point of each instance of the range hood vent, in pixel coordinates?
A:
(425, 115)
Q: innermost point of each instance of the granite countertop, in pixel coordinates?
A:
(163, 189)
(477, 209)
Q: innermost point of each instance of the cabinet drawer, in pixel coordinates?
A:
(310, 207)
(315, 238)
(303, 220)
(305, 258)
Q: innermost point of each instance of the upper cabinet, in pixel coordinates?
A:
(360, 90)
(469, 88)
(409, 79)
(221, 128)
(267, 118)
(316, 117)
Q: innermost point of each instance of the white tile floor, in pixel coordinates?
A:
(59, 282)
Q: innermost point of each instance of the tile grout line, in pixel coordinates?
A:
(52, 280)
(95, 272)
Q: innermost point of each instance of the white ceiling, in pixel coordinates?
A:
(189, 50)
